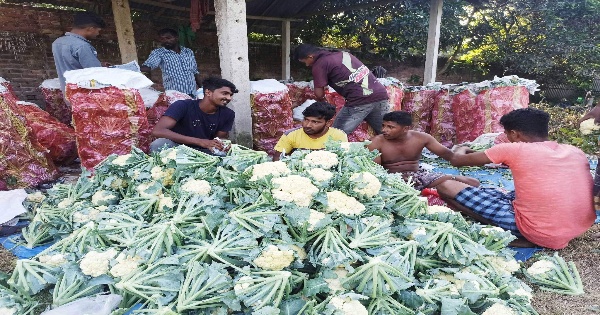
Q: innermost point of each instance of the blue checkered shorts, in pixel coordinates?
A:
(491, 204)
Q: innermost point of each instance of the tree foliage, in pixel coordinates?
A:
(549, 40)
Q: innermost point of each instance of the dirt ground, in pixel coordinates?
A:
(584, 251)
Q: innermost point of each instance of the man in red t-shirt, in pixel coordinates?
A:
(366, 98)
(552, 200)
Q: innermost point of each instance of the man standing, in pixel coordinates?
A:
(366, 98)
(178, 64)
(316, 130)
(552, 200)
(401, 150)
(74, 51)
(196, 123)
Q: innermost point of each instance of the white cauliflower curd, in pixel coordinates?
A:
(498, 309)
(323, 159)
(438, 209)
(8, 311)
(295, 189)
(168, 155)
(314, 219)
(339, 202)
(125, 265)
(242, 284)
(320, 175)
(164, 176)
(121, 160)
(588, 126)
(260, 171)
(103, 198)
(36, 197)
(195, 186)
(367, 184)
(52, 260)
(149, 189)
(336, 284)
(503, 265)
(96, 263)
(540, 267)
(272, 258)
(347, 306)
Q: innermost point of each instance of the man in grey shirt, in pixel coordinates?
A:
(73, 50)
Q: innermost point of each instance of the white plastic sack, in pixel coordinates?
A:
(98, 305)
(99, 77)
(53, 84)
(297, 111)
(267, 86)
(11, 204)
(149, 96)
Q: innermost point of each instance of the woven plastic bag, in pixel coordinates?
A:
(54, 136)
(420, 105)
(442, 119)
(25, 163)
(54, 100)
(271, 113)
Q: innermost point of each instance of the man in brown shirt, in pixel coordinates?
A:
(366, 98)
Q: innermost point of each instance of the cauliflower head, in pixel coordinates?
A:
(195, 186)
(438, 209)
(320, 175)
(8, 311)
(104, 198)
(121, 160)
(322, 159)
(295, 189)
(96, 263)
(164, 176)
(366, 184)
(125, 265)
(588, 126)
(540, 267)
(262, 170)
(272, 258)
(335, 284)
(55, 260)
(347, 306)
(36, 197)
(339, 202)
(150, 189)
(498, 309)
(314, 219)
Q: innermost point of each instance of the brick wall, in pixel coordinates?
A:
(27, 33)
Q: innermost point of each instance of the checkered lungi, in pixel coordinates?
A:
(491, 204)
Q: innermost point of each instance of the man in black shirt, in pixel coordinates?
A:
(196, 123)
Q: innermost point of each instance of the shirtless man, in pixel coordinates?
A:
(401, 149)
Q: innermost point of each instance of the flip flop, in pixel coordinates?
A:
(9, 230)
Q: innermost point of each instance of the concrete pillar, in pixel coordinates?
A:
(286, 39)
(124, 27)
(433, 41)
(232, 31)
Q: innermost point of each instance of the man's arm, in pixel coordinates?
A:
(437, 148)
(87, 58)
(284, 145)
(593, 113)
(461, 157)
(320, 93)
(163, 130)
(145, 69)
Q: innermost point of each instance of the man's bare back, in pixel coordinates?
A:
(403, 154)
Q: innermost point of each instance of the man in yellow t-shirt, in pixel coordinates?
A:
(316, 130)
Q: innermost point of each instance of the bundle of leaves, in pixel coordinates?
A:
(322, 232)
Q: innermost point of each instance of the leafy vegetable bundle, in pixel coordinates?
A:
(322, 232)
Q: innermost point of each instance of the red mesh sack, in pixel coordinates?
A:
(157, 110)
(271, 116)
(498, 102)
(476, 114)
(24, 162)
(501, 138)
(395, 92)
(468, 117)
(107, 120)
(55, 102)
(297, 93)
(54, 136)
(442, 120)
(420, 105)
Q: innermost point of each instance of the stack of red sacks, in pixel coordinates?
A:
(442, 118)
(479, 112)
(419, 102)
(24, 162)
(54, 100)
(271, 113)
(9, 89)
(107, 120)
(395, 90)
(57, 138)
